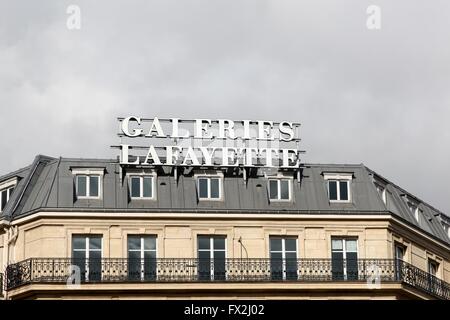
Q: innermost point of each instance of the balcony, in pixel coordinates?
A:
(122, 270)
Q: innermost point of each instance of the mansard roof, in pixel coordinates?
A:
(48, 185)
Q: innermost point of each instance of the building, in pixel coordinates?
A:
(341, 231)
(206, 223)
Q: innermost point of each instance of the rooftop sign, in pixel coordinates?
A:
(206, 142)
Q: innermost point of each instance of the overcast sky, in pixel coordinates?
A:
(378, 97)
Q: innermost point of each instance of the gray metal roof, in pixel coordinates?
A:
(48, 184)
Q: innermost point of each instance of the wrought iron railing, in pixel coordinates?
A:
(372, 271)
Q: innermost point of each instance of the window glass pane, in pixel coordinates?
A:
(95, 243)
(343, 190)
(149, 254)
(284, 189)
(3, 198)
(203, 242)
(95, 254)
(332, 189)
(276, 255)
(147, 187)
(150, 243)
(275, 244)
(219, 254)
(351, 246)
(336, 244)
(93, 186)
(290, 245)
(291, 255)
(134, 243)
(399, 252)
(135, 187)
(81, 186)
(203, 187)
(273, 189)
(11, 190)
(219, 243)
(432, 267)
(204, 254)
(79, 254)
(215, 188)
(79, 242)
(135, 255)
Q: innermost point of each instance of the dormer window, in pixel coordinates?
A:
(338, 185)
(446, 228)
(279, 189)
(88, 183)
(6, 190)
(209, 186)
(381, 188)
(413, 208)
(142, 185)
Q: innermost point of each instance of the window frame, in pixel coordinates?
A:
(141, 177)
(399, 247)
(446, 227)
(381, 189)
(338, 178)
(88, 172)
(209, 176)
(212, 250)
(279, 179)
(7, 186)
(86, 250)
(88, 186)
(344, 251)
(433, 263)
(338, 191)
(142, 250)
(410, 204)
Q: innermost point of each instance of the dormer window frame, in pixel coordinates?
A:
(142, 174)
(88, 173)
(7, 186)
(381, 189)
(446, 227)
(413, 207)
(339, 177)
(208, 175)
(279, 177)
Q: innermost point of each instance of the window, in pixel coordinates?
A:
(88, 186)
(142, 257)
(87, 254)
(211, 256)
(399, 252)
(338, 186)
(382, 191)
(6, 190)
(433, 283)
(433, 267)
(338, 190)
(446, 228)
(88, 182)
(5, 194)
(344, 259)
(279, 189)
(141, 187)
(283, 258)
(413, 207)
(209, 188)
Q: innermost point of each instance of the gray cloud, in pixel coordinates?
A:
(377, 97)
